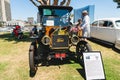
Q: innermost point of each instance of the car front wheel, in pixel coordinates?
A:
(82, 46)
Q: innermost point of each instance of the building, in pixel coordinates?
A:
(38, 17)
(15, 22)
(5, 11)
(30, 20)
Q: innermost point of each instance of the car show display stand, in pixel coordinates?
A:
(93, 65)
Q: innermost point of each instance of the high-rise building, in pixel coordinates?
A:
(5, 10)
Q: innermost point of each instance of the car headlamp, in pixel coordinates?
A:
(46, 40)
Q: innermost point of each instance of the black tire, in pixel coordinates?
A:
(82, 46)
(32, 65)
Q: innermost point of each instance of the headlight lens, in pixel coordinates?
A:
(46, 40)
(75, 39)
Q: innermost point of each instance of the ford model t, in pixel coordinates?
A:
(55, 40)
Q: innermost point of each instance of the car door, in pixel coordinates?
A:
(106, 31)
(93, 29)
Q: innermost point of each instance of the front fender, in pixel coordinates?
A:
(82, 42)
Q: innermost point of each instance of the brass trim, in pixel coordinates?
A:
(42, 40)
(75, 43)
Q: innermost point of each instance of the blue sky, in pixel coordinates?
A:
(21, 9)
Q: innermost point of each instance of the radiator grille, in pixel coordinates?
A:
(60, 41)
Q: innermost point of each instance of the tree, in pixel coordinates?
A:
(47, 2)
(118, 2)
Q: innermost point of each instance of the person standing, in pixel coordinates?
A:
(85, 26)
(34, 30)
(76, 29)
(79, 29)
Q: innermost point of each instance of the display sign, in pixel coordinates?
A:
(50, 22)
(93, 65)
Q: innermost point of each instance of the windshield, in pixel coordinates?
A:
(55, 17)
(117, 23)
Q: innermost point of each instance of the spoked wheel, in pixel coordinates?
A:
(32, 65)
(82, 46)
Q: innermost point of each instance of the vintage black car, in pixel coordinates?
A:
(55, 40)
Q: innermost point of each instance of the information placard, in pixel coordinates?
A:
(93, 65)
(50, 22)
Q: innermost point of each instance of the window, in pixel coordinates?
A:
(55, 17)
(94, 24)
(101, 23)
(55, 12)
(110, 24)
(104, 23)
(47, 12)
(117, 23)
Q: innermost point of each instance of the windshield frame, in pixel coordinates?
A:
(51, 20)
(55, 17)
(40, 8)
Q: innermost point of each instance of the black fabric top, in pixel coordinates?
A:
(55, 7)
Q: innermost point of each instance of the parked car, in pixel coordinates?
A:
(5, 29)
(55, 40)
(107, 29)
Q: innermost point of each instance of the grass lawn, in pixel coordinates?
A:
(14, 62)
